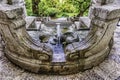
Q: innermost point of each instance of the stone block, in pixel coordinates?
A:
(103, 2)
(106, 12)
(85, 22)
(11, 12)
(102, 23)
(109, 1)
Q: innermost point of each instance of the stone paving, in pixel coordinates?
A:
(107, 70)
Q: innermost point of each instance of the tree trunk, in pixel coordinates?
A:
(35, 7)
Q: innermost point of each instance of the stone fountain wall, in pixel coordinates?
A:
(22, 50)
(19, 47)
(20, 3)
(97, 45)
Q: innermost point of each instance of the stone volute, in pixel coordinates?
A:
(23, 51)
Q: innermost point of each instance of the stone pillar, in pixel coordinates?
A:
(20, 3)
(98, 3)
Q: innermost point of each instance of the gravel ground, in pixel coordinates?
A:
(107, 70)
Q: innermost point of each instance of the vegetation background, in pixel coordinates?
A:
(57, 8)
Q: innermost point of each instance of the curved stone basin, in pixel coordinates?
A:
(36, 57)
(48, 34)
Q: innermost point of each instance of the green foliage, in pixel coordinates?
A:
(29, 7)
(60, 8)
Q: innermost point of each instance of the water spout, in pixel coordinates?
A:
(58, 32)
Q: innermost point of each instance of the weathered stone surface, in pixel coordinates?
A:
(109, 1)
(29, 22)
(84, 22)
(106, 12)
(22, 50)
(103, 2)
(3, 1)
(69, 37)
(108, 70)
(97, 47)
(18, 43)
(10, 12)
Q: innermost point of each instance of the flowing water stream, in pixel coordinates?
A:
(58, 51)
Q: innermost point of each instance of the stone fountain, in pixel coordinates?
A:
(51, 52)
